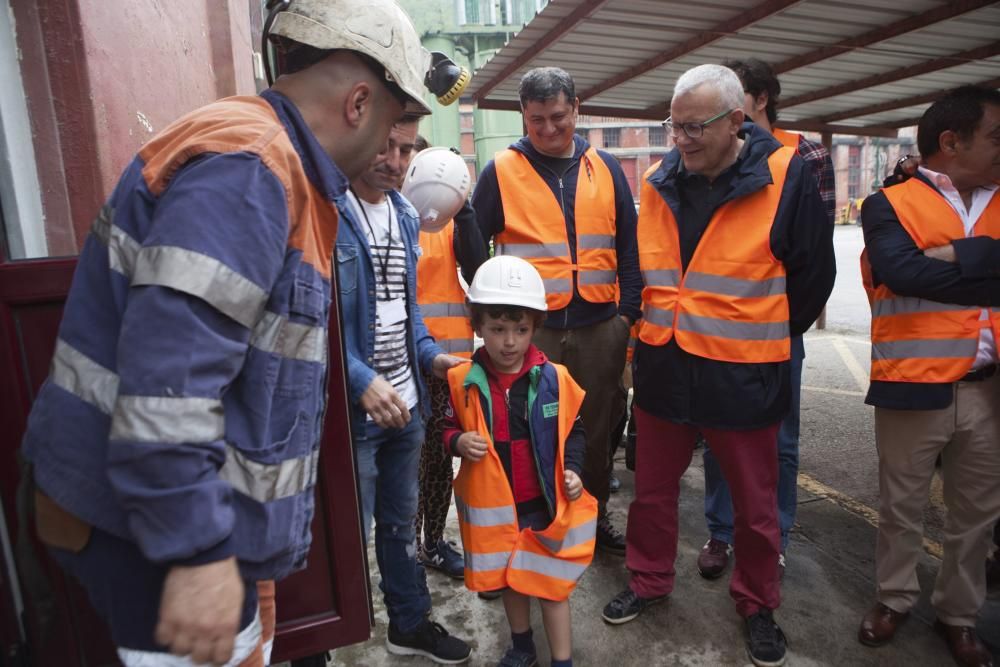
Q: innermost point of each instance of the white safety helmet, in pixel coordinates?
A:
(377, 28)
(508, 281)
(437, 183)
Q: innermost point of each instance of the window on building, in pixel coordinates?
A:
(612, 137)
(657, 136)
(853, 172)
(583, 132)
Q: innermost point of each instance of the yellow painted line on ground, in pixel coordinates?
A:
(828, 390)
(818, 488)
(859, 373)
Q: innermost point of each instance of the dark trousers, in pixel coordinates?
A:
(595, 357)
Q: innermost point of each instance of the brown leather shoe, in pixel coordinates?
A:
(879, 625)
(965, 646)
(714, 558)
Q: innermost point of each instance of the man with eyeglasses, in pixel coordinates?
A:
(760, 101)
(737, 259)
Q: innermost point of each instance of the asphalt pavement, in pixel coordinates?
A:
(828, 583)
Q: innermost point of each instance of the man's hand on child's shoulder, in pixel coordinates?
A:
(471, 446)
(574, 487)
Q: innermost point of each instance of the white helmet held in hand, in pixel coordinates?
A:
(508, 281)
(437, 183)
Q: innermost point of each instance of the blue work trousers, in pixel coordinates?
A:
(718, 502)
(388, 465)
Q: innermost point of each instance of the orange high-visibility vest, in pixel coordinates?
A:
(914, 339)
(535, 228)
(440, 295)
(789, 139)
(546, 563)
(730, 304)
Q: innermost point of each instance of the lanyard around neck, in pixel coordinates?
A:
(383, 261)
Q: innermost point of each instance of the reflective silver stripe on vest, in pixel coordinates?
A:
(574, 536)
(661, 277)
(948, 348)
(167, 419)
(659, 316)
(268, 482)
(547, 566)
(292, 340)
(595, 242)
(713, 326)
(443, 310)
(122, 248)
(204, 277)
(528, 250)
(597, 277)
(485, 517)
(716, 284)
(486, 562)
(453, 345)
(908, 305)
(83, 377)
(556, 285)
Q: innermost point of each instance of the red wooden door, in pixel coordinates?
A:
(320, 608)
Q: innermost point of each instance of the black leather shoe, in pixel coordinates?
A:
(609, 538)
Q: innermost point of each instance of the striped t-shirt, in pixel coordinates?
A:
(385, 239)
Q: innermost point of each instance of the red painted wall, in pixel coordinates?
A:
(101, 77)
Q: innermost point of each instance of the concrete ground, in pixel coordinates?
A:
(828, 586)
(829, 581)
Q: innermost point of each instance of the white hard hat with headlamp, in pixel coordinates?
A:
(506, 280)
(379, 29)
(437, 183)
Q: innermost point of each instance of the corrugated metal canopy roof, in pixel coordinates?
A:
(856, 67)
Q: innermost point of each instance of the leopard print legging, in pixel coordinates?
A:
(435, 469)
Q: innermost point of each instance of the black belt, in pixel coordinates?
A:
(980, 374)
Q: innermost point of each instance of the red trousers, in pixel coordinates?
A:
(749, 462)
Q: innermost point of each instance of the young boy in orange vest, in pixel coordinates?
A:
(527, 525)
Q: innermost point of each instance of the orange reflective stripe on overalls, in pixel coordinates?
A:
(731, 303)
(545, 564)
(440, 295)
(535, 228)
(914, 339)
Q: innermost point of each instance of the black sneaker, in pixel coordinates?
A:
(627, 605)
(515, 658)
(445, 558)
(609, 538)
(429, 640)
(765, 640)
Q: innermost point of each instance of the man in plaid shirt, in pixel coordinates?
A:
(762, 90)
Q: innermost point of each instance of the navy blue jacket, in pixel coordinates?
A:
(579, 313)
(898, 263)
(673, 384)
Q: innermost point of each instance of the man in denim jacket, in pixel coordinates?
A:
(388, 347)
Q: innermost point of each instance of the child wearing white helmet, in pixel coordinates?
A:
(528, 527)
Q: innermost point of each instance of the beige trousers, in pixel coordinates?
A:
(967, 435)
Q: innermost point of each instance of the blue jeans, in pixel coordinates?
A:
(388, 464)
(719, 504)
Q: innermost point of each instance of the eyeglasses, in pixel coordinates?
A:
(693, 130)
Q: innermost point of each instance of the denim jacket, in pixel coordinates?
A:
(356, 281)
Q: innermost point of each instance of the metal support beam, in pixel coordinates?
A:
(945, 11)
(713, 34)
(883, 130)
(945, 62)
(555, 34)
(899, 103)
